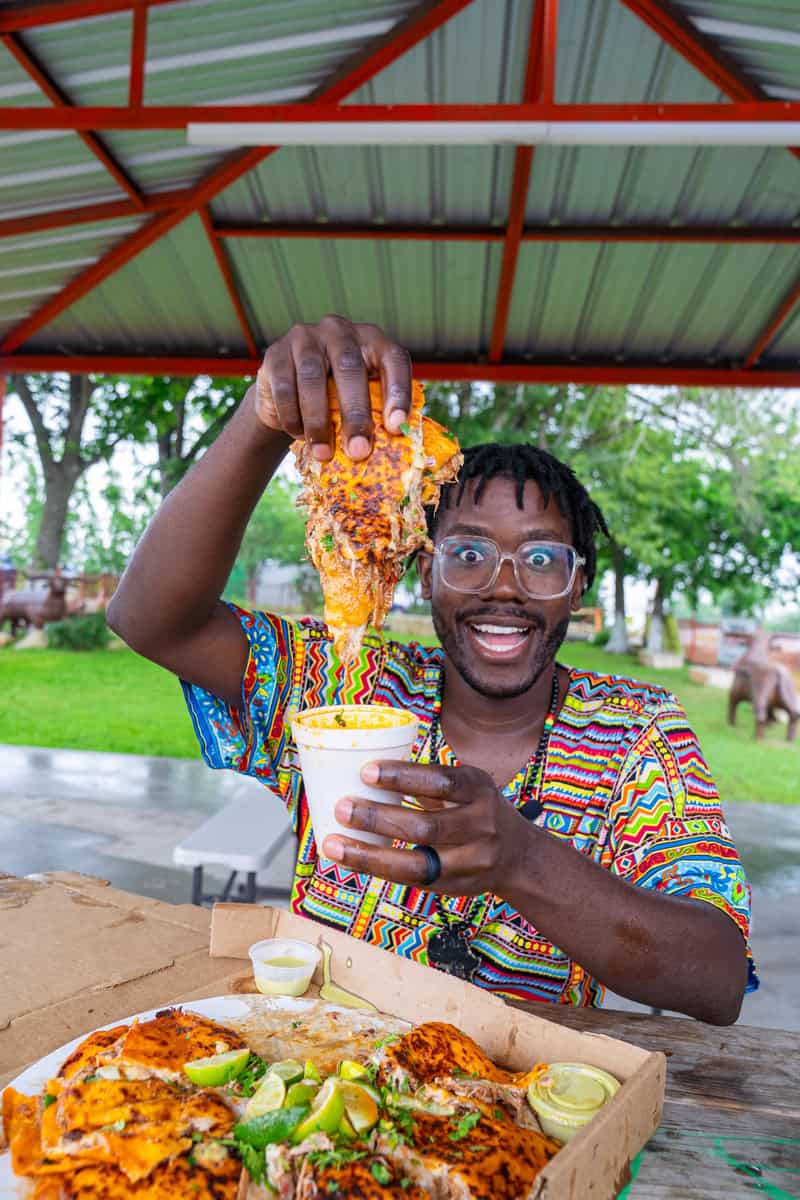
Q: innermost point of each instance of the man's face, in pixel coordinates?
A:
(500, 665)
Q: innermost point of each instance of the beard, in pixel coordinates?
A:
(453, 641)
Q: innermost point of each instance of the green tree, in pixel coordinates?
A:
(276, 533)
(75, 421)
(180, 417)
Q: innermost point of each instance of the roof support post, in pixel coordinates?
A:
(34, 68)
(678, 32)
(230, 283)
(420, 23)
(138, 52)
(540, 77)
(773, 325)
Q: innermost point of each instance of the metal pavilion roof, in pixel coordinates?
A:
(124, 248)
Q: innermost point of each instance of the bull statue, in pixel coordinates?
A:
(766, 684)
(27, 606)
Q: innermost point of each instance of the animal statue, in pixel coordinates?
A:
(27, 606)
(766, 684)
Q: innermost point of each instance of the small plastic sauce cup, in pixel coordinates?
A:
(565, 1097)
(283, 966)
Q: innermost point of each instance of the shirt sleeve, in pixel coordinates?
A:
(667, 829)
(253, 738)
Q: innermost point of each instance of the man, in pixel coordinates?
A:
(569, 835)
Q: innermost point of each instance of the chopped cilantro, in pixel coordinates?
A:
(405, 428)
(327, 541)
(255, 1162)
(386, 1041)
(332, 1186)
(352, 497)
(464, 1126)
(247, 1082)
(499, 1114)
(272, 1127)
(296, 1024)
(404, 503)
(47, 1100)
(381, 1173)
(405, 1182)
(337, 1157)
(114, 1127)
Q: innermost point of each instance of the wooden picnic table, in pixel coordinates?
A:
(731, 1124)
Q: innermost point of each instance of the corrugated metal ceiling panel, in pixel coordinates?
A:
(761, 36)
(168, 299)
(634, 302)
(584, 301)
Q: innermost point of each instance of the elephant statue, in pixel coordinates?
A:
(768, 686)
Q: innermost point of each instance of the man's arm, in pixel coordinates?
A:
(669, 952)
(665, 951)
(167, 604)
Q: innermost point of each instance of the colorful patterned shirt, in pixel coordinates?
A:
(624, 781)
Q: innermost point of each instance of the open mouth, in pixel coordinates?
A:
(498, 641)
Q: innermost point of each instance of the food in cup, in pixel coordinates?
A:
(366, 518)
(283, 966)
(333, 743)
(566, 1095)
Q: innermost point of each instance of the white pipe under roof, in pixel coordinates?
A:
(492, 133)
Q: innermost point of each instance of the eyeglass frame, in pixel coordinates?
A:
(503, 557)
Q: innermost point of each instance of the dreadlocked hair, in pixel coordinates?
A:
(554, 478)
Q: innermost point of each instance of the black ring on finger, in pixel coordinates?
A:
(434, 865)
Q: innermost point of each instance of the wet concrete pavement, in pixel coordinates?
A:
(119, 816)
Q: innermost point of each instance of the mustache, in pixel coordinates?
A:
(524, 616)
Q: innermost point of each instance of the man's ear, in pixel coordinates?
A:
(425, 572)
(576, 599)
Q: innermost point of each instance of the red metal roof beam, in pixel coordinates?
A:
(540, 74)
(230, 283)
(34, 68)
(87, 214)
(688, 234)
(28, 16)
(324, 112)
(446, 370)
(674, 28)
(775, 322)
(138, 53)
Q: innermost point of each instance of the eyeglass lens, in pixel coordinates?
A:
(469, 564)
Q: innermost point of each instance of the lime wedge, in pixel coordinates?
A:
(326, 1113)
(218, 1069)
(269, 1095)
(346, 1129)
(311, 1072)
(301, 1093)
(359, 1106)
(288, 1070)
(272, 1127)
(348, 1069)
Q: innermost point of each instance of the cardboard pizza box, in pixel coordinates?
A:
(596, 1163)
(76, 953)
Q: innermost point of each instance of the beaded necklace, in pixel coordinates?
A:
(449, 946)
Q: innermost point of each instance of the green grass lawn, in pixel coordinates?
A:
(116, 701)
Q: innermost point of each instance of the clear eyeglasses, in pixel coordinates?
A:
(544, 570)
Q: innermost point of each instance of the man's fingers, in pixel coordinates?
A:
(311, 372)
(349, 370)
(440, 827)
(276, 391)
(393, 363)
(452, 784)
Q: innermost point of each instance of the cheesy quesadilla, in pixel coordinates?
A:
(366, 518)
(181, 1105)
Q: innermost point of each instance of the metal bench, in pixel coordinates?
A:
(244, 836)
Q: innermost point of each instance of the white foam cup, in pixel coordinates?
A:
(334, 742)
